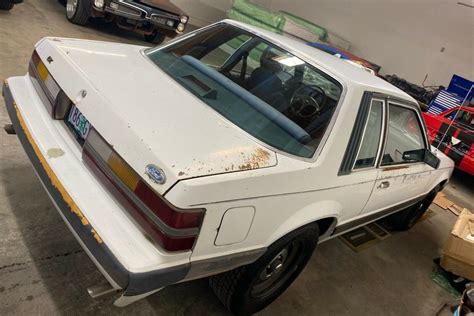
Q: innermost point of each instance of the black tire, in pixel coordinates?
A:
(78, 11)
(251, 288)
(406, 219)
(6, 4)
(155, 37)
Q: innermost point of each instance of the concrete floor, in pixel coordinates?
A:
(43, 270)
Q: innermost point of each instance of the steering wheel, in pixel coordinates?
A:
(307, 101)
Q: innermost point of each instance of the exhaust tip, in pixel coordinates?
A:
(9, 129)
(100, 290)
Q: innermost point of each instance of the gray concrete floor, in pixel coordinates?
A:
(43, 270)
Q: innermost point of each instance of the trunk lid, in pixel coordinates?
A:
(148, 117)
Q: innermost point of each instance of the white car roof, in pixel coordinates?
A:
(348, 73)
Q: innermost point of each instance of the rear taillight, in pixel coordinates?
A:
(48, 89)
(172, 228)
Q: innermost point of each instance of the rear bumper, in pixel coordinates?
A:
(82, 226)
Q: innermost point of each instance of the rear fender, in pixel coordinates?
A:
(309, 214)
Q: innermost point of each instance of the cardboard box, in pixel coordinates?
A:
(458, 253)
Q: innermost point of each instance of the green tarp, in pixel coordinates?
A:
(277, 22)
(321, 32)
(247, 12)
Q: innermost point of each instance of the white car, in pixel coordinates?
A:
(228, 152)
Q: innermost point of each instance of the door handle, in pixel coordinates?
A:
(383, 185)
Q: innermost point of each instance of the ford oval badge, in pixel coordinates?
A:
(156, 174)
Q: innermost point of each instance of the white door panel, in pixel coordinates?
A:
(401, 177)
(395, 186)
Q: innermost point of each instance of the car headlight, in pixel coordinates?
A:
(180, 27)
(183, 19)
(99, 4)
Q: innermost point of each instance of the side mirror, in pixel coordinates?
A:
(424, 155)
(431, 159)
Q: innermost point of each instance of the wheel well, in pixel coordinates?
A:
(324, 225)
(442, 184)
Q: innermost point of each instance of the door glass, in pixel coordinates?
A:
(405, 142)
(370, 143)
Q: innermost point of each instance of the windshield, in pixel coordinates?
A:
(269, 93)
(463, 118)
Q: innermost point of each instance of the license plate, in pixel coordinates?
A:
(80, 124)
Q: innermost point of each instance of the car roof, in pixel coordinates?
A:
(335, 66)
(329, 49)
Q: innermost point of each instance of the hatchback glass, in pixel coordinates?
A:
(271, 94)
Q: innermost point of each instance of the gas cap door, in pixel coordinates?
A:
(235, 225)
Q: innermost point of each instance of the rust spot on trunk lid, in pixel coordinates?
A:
(259, 159)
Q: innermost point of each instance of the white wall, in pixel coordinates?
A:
(204, 12)
(405, 37)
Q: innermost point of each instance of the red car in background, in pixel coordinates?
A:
(453, 132)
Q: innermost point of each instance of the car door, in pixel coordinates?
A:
(359, 165)
(402, 177)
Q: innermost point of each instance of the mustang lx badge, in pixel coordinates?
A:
(156, 174)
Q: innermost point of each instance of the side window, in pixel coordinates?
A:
(369, 147)
(405, 141)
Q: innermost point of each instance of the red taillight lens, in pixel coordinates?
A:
(165, 212)
(172, 228)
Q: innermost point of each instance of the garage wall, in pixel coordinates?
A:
(203, 12)
(411, 38)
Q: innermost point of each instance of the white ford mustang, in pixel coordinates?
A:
(228, 152)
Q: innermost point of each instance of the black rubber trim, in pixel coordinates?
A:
(356, 136)
(132, 283)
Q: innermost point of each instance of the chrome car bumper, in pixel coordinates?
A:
(141, 13)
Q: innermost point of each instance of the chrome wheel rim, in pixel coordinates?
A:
(71, 7)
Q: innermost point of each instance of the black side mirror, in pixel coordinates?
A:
(431, 159)
(424, 155)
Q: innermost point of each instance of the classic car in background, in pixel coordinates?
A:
(155, 19)
(229, 153)
(349, 57)
(8, 4)
(453, 132)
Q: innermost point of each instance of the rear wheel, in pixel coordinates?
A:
(407, 218)
(78, 11)
(251, 288)
(6, 4)
(155, 37)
